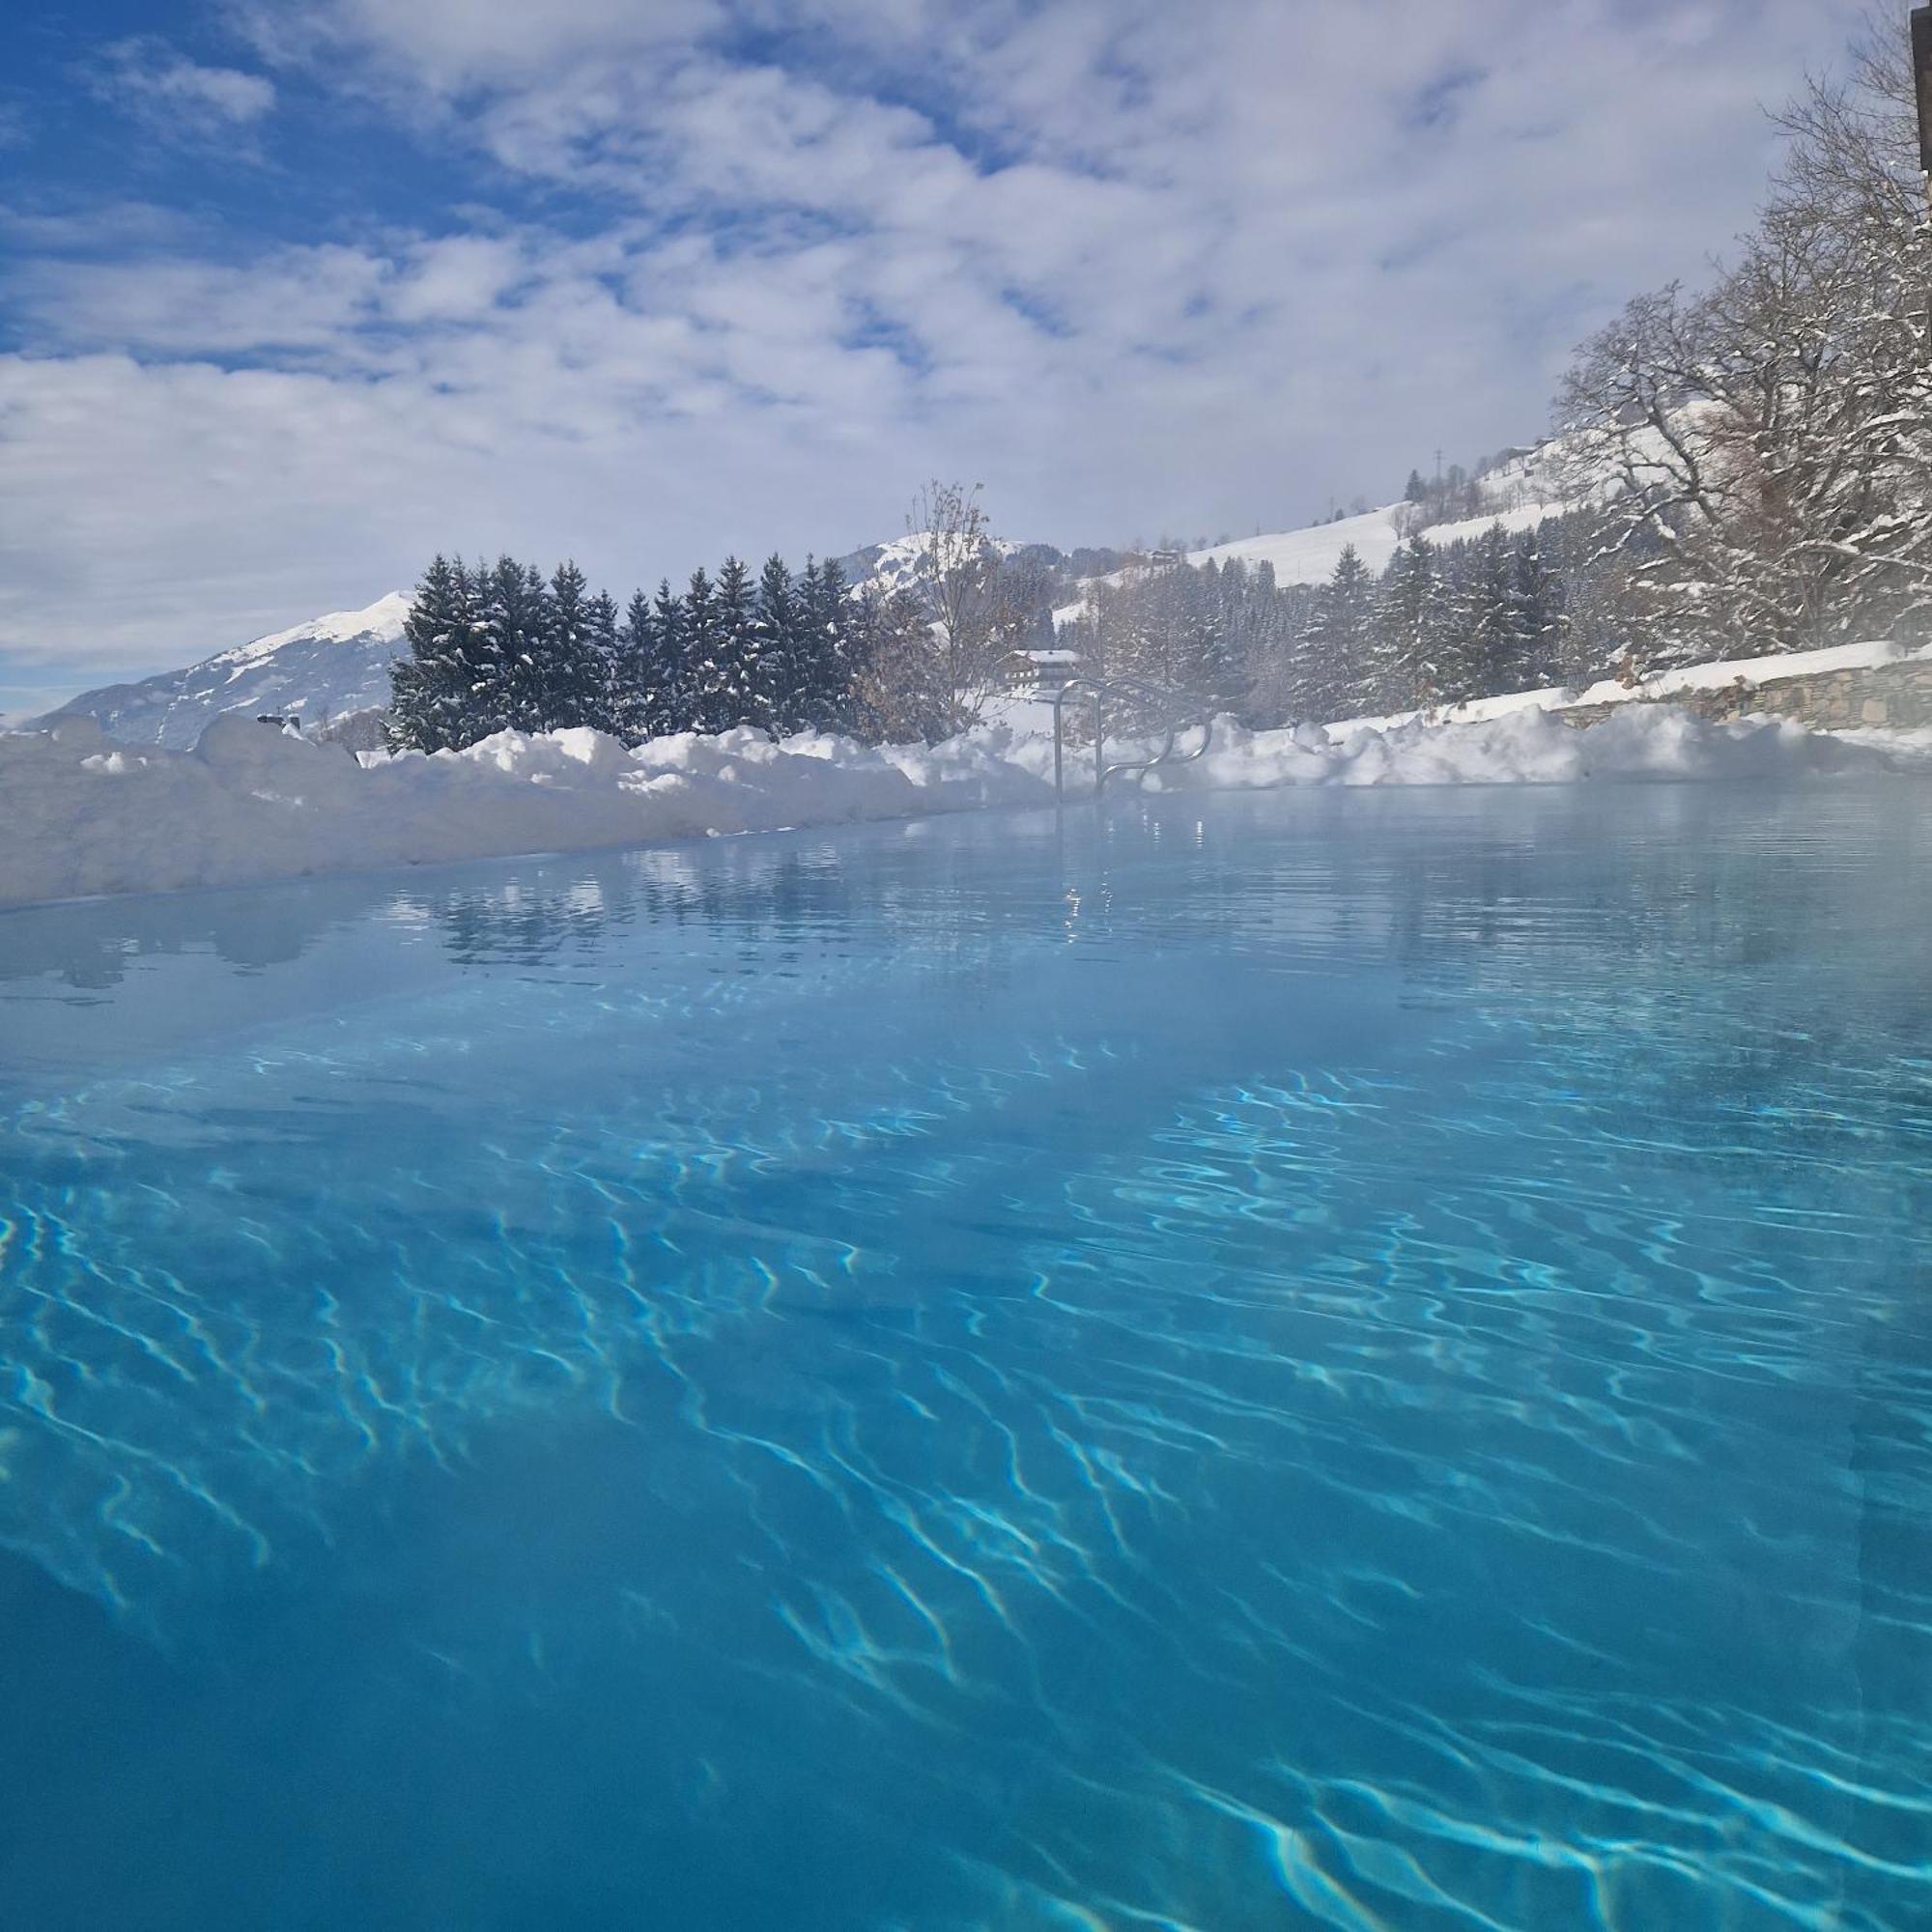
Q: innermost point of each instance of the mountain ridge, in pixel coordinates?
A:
(332, 664)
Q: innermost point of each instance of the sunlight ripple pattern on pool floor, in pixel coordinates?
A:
(1350, 1363)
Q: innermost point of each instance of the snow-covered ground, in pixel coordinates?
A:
(1310, 555)
(1663, 686)
(85, 815)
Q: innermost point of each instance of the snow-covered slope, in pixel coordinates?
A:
(1520, 492)
(334, 664)
(1310, 555)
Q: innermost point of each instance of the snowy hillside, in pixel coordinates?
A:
(329, 665)
(1310, 555)
(1518, 493)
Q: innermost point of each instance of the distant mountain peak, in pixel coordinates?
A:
(329, 665)
(382, 619)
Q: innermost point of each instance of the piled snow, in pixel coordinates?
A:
(1665, 685)
(85, 815)
(1534, 747)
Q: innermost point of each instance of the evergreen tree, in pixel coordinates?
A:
(634, 680)
(1339, 645)
(566, 685)
(1536, 617)
(733, 694)
(445, 693)
(515, 617)
(704, 675)
(601, 708)
(899, 689)
(1259, 632)
(840, 643)
(1406, 622)
(1489, 657)
(673, 698)
(777, 643)
(1207, 662)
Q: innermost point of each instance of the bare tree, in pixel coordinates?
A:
(980, 612)
(1768, 441)
(900, 683)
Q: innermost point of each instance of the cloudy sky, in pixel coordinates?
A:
(293, 295)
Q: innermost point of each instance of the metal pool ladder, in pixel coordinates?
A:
(1101, 690)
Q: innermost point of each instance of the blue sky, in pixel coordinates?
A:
(291, 295)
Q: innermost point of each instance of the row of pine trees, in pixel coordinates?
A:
(1441, 624)
(498, 648)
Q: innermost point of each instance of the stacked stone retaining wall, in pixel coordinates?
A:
(1896, 696)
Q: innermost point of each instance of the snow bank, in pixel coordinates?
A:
(1533, 746)
(85, 815)
(1721, 676)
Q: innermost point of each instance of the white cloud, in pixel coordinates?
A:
(177, 96)
(1138, 267)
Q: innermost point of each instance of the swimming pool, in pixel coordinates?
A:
(1357, 1360)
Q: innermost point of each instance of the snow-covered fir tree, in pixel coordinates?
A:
(707, 707)
(514, 615)
(671, 704)
(601, 629)
(1407, 619)
(444, 690)
(731, 685)
(568, 679)
(1484, 659)
(1537, 619)
(1338, 647)
(831, 650)
(776, 627)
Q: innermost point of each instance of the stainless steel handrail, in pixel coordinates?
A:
(1100, 689)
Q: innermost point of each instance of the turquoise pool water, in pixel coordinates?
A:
(1351, 1361)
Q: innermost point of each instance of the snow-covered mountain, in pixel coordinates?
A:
(903, 564)
(333, 665)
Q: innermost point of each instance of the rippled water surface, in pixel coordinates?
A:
(1351, 1360)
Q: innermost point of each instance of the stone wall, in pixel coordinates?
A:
(1895, 695)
